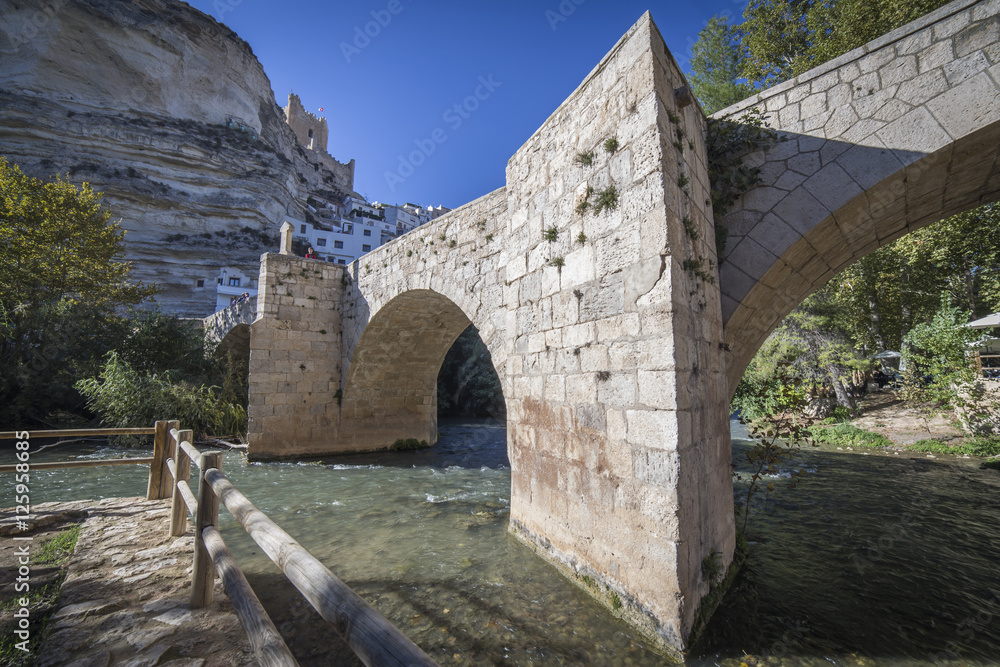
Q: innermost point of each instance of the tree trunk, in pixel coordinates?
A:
(970, 287)
(838, 388)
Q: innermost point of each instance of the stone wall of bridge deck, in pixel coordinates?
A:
(888, 138)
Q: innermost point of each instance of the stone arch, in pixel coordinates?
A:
(390, 388)
(236, 340)
(959, 176)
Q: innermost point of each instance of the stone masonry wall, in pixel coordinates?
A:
(407, 303)
(617, 418)
(897, 134)
(295, 358)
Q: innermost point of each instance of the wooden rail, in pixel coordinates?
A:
(72, 433)
(374, 639)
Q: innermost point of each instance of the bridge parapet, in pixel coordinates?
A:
(221, 328)
(890, 137)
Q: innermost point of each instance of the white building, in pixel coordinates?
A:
(341, 233)
(232, 284)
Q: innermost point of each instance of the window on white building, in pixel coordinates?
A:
(302, 229)
(341, 261)
(365, 248)
(368, 232)
(201, 282)
(321, 242)
(338, 244)
(234, 282)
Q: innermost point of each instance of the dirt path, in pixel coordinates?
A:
(885, 413)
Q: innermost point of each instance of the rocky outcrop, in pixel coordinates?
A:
(171, 116)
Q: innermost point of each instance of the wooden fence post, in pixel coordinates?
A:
(156, 467)
(203, 574)
(182, 463)
(169, 447)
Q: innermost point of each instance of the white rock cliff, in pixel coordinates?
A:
(170, 115)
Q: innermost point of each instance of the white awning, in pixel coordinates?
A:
(985, 322)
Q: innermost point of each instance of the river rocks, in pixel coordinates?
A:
(170, 115)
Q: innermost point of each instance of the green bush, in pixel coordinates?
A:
(845, 435)
(125, 398)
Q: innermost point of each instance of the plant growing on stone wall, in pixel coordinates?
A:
(728, 143)
(689, 228)
(682, 181)
(607, 199)
(409, 253)
(674, 118)
(481, 225)
(585, 159)
(679, 146)
(611, 145)
(582, 207)
(550, 234)
(696, 268)
(557, 262)
(603, 376)
(489, 237)
(581, 238)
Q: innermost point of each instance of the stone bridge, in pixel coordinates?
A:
(592, 278)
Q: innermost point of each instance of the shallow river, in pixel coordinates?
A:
(874, 560)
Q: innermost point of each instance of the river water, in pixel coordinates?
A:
(871, 560)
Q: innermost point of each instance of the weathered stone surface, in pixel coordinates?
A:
(151, 133)
(914, 95)
(104, 619)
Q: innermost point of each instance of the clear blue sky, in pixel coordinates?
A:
(397, 87)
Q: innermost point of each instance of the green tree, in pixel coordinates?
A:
(784, 38)
(62, 275)
(57, 243)
(775, 36)
(715, 66)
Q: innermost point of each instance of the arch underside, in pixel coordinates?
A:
(391, 387)
(236, 340)
(960, 176)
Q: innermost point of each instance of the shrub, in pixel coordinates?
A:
(126, 398)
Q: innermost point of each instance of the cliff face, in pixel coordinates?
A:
(170, 115)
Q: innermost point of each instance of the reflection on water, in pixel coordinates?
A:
(876, 560)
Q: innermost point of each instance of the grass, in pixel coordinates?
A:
(981, 446)
(41, 599)
(611, 145)
(58, 549)
(846, 435)
(585, 159)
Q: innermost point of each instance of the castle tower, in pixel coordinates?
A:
(310, 130)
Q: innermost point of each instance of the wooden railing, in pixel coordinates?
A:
(374, 639)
